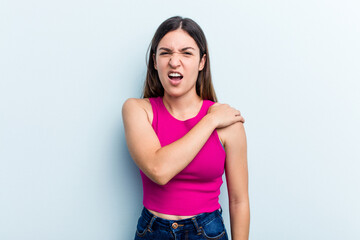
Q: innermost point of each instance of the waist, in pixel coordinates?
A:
(182, 224)
(169, 216)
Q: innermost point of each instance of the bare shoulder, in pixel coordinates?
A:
(137, 105)
(136, 102)
(234, 133)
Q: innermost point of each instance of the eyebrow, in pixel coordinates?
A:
(182, 50)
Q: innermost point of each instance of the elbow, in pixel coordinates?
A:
(161, 181)
(159, 176)
(156, 170)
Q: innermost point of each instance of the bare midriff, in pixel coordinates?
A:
(168, 216)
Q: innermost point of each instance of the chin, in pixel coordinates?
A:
(174, 94)
(177, 92)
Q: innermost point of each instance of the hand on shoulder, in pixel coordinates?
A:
(224, 115)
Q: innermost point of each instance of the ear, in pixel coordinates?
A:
(202, 62)
(154, 59)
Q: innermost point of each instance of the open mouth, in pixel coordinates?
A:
(175, 76)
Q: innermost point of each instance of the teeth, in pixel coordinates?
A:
(175, 75)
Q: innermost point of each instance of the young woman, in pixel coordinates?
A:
(183, 141)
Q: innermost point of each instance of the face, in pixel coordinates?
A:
(178, 63)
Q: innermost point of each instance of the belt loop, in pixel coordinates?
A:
(196, 225)
(151, 223)
(220, 210)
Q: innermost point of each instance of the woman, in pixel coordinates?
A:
(182, 142)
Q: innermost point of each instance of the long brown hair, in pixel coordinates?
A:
(204, 86)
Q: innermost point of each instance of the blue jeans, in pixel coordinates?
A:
(202, 226)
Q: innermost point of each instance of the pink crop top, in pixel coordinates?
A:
(195, 189)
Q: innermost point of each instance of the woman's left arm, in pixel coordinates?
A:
(236, 170)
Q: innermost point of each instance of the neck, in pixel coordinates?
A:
(183, 107)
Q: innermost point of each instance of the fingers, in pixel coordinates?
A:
(234, 115)
(238, 114)
(232, 110)
(241, 119)
(225, 114)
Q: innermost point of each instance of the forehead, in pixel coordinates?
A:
(177, 39)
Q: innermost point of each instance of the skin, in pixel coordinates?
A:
(177, 51)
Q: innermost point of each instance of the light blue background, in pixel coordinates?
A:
(66, 67)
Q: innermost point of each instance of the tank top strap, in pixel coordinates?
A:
(206, 105)
(156, 109)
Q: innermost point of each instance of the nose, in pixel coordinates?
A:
(174, 61)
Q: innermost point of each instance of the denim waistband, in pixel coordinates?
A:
(179, 225)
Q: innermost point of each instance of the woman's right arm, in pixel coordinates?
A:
(161, 164)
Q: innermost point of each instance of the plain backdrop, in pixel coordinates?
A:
(66, 67)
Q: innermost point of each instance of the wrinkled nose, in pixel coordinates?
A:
(174, 61)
